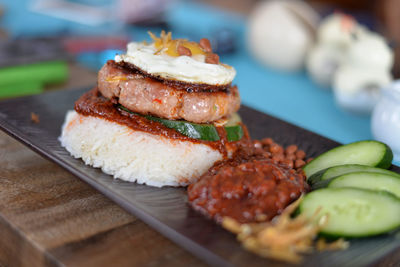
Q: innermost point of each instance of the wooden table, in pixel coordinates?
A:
(49, 217)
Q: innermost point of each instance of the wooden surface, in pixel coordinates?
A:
(48, 217)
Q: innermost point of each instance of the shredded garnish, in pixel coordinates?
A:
(284, 238)
(322, 245)
(116, 79)
(165, 44)
(221, 122)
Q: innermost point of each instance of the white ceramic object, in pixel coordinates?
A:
(334, 36)
(370, 50)
(385, 121)
(358, 90)
(337, 29)
(322, 63)
(280, 32)
(360, 77)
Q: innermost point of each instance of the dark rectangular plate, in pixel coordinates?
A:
(166, 209)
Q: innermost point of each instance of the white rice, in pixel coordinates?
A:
(135, 156)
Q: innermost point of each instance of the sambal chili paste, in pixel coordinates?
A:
(250, 190)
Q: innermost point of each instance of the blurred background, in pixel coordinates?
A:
(329, 66)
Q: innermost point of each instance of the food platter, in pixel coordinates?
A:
(166, 209)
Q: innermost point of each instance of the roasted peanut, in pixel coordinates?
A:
(291, 149)
(206, 45)
(288, 162)
(266, 154)
(300, 154)
(258, 151)
(267, 141)
(257, 144)
(276, 149)
(184, 51)
(212, 59)
(290, 156)
(278, 157)
(299, 163)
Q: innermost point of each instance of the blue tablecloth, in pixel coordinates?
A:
(292, 97)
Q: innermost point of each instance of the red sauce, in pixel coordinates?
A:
(247, 189)
(94, 104)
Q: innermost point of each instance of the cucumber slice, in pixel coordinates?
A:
(368, 180)
(371, 153)
(193, 130)
(353, 212)
(335, 171)
(206, 132)
(234, 133)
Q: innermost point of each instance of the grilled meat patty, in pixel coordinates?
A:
(146, 95)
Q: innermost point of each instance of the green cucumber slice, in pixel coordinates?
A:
(234, 133)
(371, 153)
(368, 180)
(193, 130)
(353, 212)
(206, 132)
(335, 171)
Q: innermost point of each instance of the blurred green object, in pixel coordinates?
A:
(30, 79)
(21, 89)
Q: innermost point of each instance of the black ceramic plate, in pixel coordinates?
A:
(166, 209)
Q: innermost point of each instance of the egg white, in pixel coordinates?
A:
(182, 68)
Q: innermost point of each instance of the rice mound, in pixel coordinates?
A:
(135, 156)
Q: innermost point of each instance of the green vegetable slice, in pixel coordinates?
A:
(335, 171)
(370, 153)
(353, 212)
(193, 130)
(206, 132)
(234, 133)
(368, 180)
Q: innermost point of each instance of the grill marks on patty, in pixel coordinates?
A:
(146, 95)
(188, 87)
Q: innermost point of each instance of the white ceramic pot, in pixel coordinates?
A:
(322, 63)
(385, 122)
(358, 90)
(365, 70)
(280, 32)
